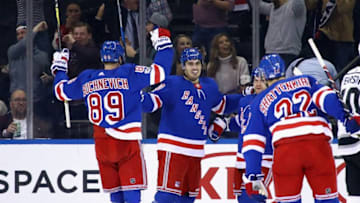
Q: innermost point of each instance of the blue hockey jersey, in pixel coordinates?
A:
(185, 114)
(292, 109)
(113, 96)
(239, 124)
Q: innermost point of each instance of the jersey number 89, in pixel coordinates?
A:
(113, 104)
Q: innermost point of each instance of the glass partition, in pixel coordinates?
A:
(31, 36)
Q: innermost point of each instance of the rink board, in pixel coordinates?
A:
(60, 171)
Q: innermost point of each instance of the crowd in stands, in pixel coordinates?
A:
(221, 29)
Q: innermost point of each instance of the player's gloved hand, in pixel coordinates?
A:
(160, 38)
(255, 187)
(352, 125)
(248, 90)
(216, 129)
(60, 61)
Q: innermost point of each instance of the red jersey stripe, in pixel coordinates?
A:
(254, 142)
(299, 124)
(129, 130)
(180, 144)
(157, 74)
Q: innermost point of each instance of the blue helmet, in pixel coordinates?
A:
(190, 54)
(111, 51)
(273, 66)
(258, 72)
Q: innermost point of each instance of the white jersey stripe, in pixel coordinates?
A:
(293, 198)
(320, 95)
(220, 108)
(157, 74)
(301, 126)
(130, 131)
(59, 91)
(157, 102)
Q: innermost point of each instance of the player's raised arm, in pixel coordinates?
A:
(64, 89)
(160, 38)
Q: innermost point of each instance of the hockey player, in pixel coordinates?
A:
(186, 102)
(238, 124)
(113, 100)
(294, 110)
(349, 144)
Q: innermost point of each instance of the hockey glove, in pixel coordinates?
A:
(216, 129)
(248, 90)
(255, 187)
(160, 38)
(60, 61)
(352, 126)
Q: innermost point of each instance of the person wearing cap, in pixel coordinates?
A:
(311, 66)
(186, 102)
(156, 20)
(42, 79)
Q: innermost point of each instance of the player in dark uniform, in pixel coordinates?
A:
(349, 144)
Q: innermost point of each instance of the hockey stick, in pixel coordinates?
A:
(322, 64)
(121, 27)
(348, 66)
(66, 104)
(326, 70)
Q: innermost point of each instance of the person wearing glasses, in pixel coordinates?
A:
(13, 124)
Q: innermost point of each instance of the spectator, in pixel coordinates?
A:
(42, 38)
(8, 37)
(17, 68)
(73, 16)
(101, 33)
(181, 42)
(38, 12)
(356, 18)
(84, 52)
(335, 37)
(240, 29)
(311, 66)
(159, 6)
(3, 108)
(230, 71)
(156, 20)
(13, 124)
(7, 30)
(286, 26)
(4, 83)
(130, 21)
(210, 18)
